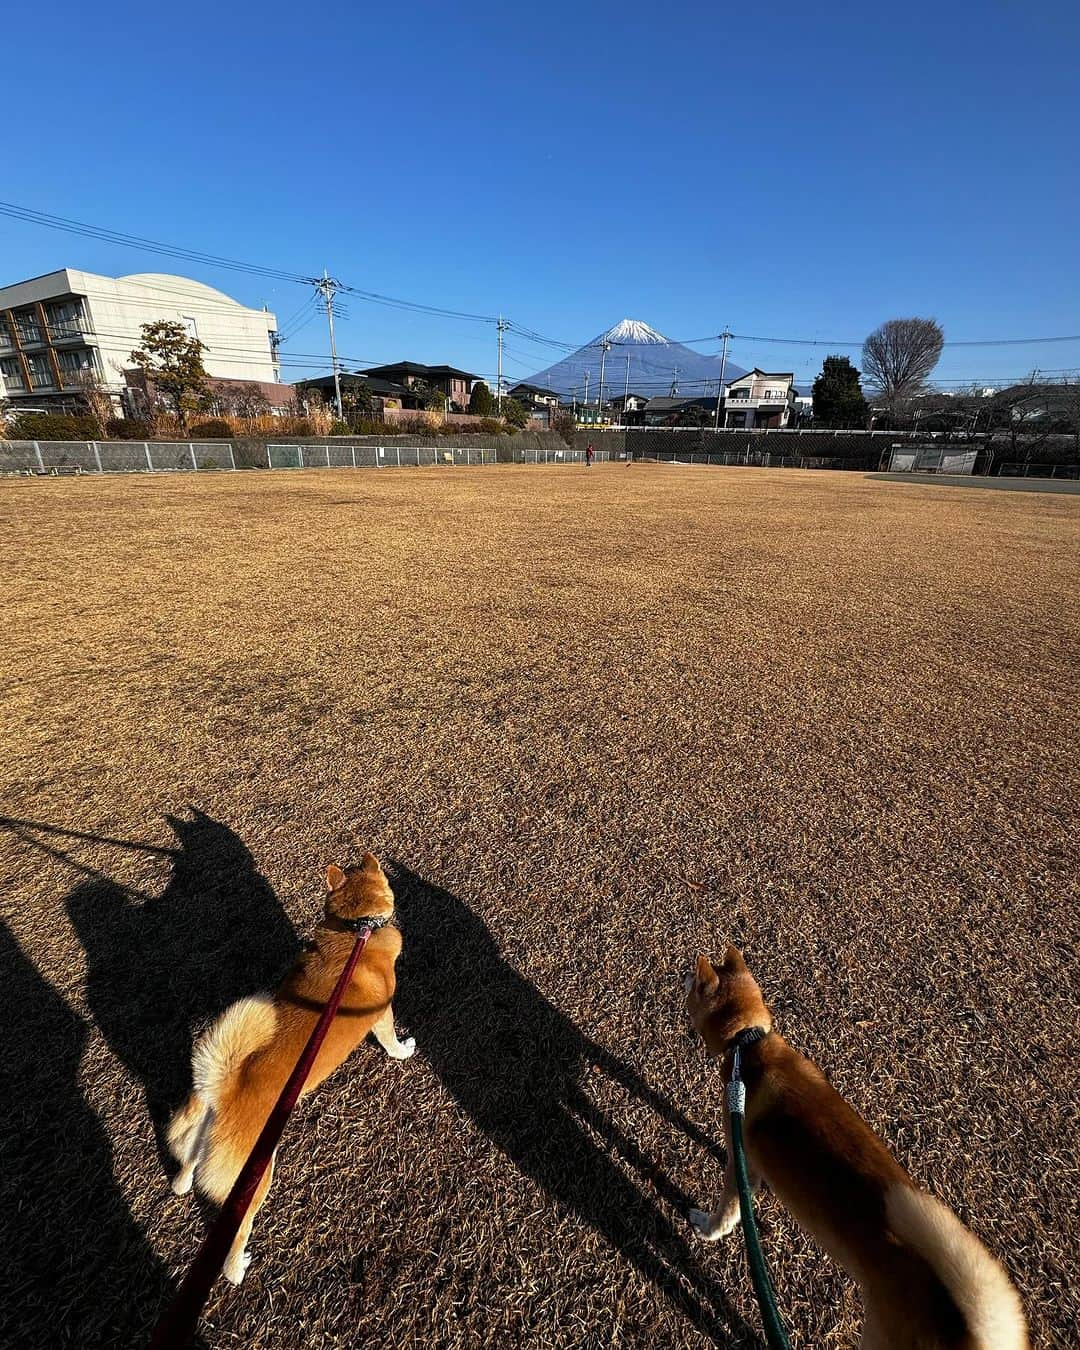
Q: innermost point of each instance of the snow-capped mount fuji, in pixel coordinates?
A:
(632, 330)
(656, 366)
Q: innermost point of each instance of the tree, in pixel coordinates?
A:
(515, 414)
(172, 362)
(482, 400)
(898, 357)
(95, 397)
(428, 396)
(563, 423)
(838, 396)
(358, 400)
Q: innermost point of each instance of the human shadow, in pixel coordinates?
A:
(76, 1269)
(515, 1064)
(159, 968)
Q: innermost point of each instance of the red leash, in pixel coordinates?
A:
(181, 1317)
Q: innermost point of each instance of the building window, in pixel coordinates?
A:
(189, 324)
(65, 319)
(40, 372)
(11, 370)
(27, 326)
(775, 393)
(75, 363)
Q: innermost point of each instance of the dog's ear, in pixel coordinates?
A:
(733, 958)
(335, 877)
(706, 977)
(369, 863)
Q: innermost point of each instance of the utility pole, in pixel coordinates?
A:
(586, 402)
(605, 347)
(626, 389)
(720, 387)
(501, 326)
(327, 288)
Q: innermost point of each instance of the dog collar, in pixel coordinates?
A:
(366, 923)
(747, 1037)
(736, 1088)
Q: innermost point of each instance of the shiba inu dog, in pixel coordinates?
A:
(241, 1063)
(926, 1282)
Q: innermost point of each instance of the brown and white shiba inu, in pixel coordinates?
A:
(240, 1065)
(926, 1282)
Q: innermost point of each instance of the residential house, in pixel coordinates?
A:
(760, 400)
(628, 408)
(542, 403)
(456, 385)
(386, 396)
(66, 330)
(679, 410)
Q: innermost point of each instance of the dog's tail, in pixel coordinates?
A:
(240, 1030)
(978, 1284)
(219, 1052)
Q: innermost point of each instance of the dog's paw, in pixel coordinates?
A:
(181, 1183)
(406, 1048)
(236, 1267)
(702, 1224)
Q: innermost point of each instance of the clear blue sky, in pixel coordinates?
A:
(803, 171)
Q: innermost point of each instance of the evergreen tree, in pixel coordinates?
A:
(515, 414)
(838, 396)
(482, 400)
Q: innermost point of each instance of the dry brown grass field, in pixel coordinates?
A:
(593, 722)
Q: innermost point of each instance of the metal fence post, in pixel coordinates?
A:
(397, 452)
(232, 457)
(269, 461)
(194, 461)
(97, 456)
(40, 461)
(300, 452)
(417, 456)
(149, 461)
(327, 456)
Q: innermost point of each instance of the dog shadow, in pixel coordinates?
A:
(76, 1269)
(515, 1064)
(159, 969)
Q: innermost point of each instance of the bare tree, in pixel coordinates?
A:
(95, 396)
(898, 357)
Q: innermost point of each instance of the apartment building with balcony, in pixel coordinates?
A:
(760, 400)
(61, 330)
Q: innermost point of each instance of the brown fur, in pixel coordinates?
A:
(240, 1065)
(926, 1282)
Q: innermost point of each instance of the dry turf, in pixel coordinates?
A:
(593, 721)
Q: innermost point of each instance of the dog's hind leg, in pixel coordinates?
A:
(239, 1258)
(187, 1139)
(386, 1035)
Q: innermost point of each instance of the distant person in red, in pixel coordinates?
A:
(589, 453)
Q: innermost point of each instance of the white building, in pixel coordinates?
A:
(760, 400)
(59, 329)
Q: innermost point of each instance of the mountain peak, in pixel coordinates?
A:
(632, 330)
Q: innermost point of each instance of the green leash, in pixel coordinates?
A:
(775, 1334)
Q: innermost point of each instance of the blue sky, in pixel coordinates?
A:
(785, 171)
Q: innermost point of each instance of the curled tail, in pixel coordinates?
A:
(977, 1283)
(239, 1031)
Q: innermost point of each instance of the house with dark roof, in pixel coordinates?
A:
(456, 385)
(384, 394)
(678, 410)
